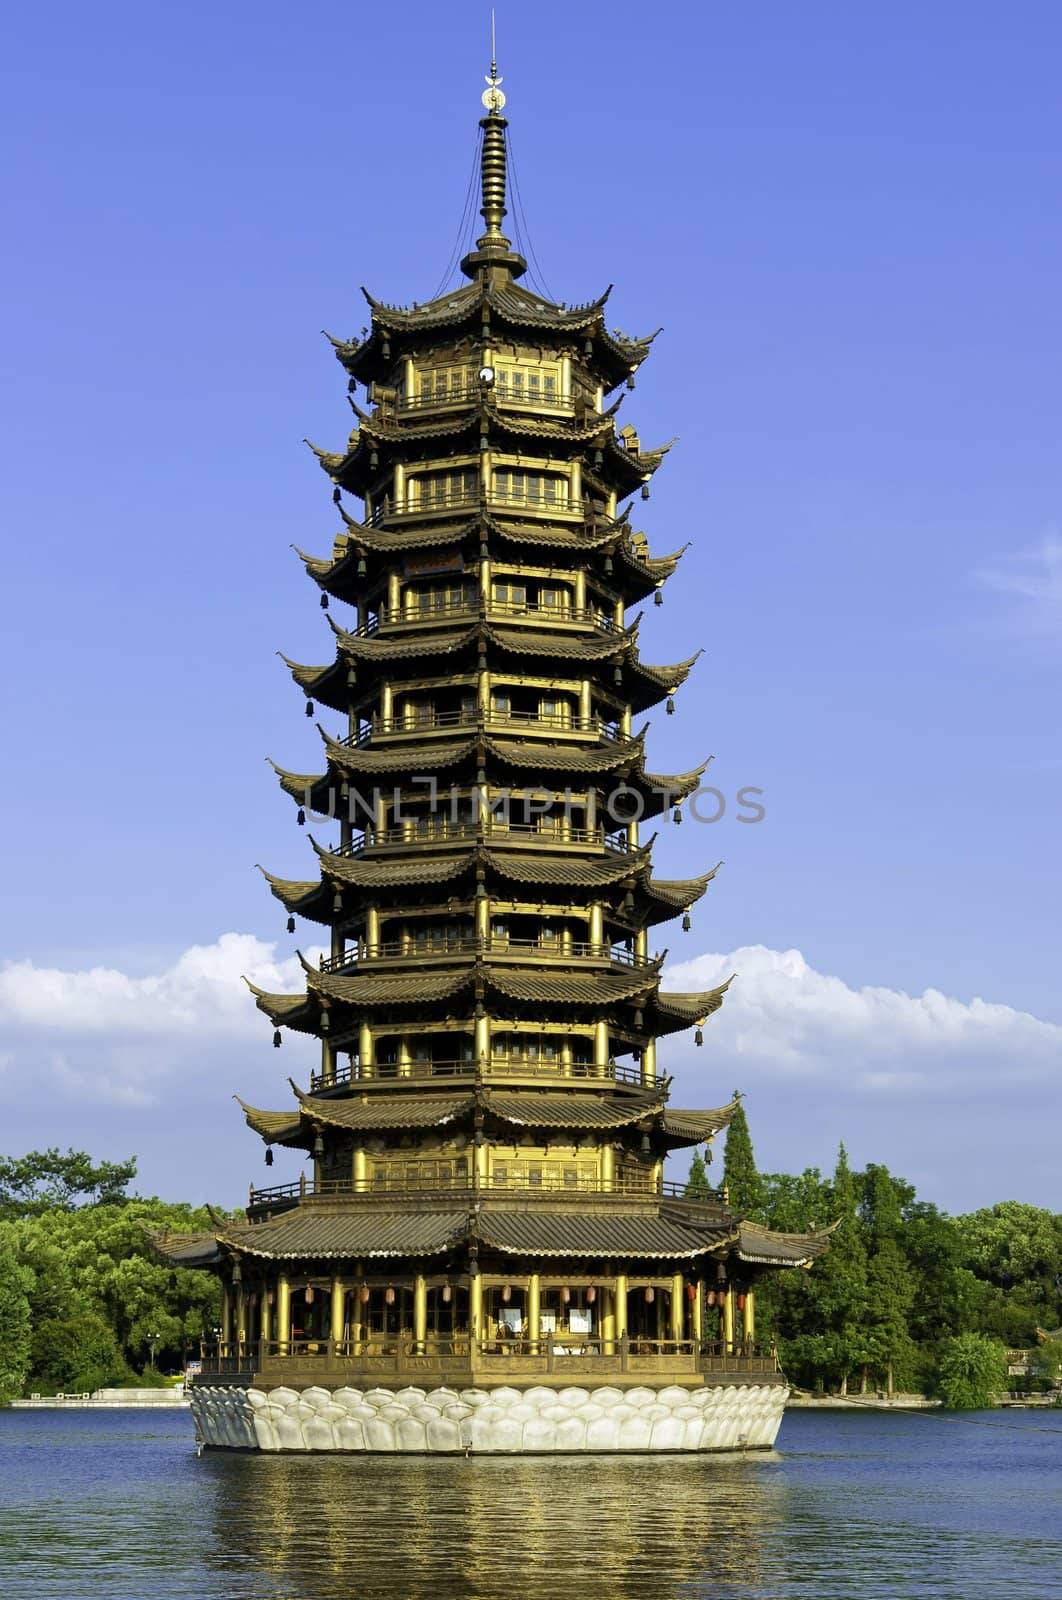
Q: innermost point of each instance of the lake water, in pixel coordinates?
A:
(116, 1506)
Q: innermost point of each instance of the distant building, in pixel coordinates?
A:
(486, 1255)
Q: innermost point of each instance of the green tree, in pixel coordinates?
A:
(973, 1371)
(47, 1180)
(745, 1187)
(75, 1355)
(16, 1284)
(891, 1352)
(698, 1186)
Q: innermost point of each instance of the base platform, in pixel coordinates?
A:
(499, 1421)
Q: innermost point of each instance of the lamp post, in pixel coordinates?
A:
(153, 1339)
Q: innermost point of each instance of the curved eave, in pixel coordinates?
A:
(295, 1011)
(686, 1128)
(275, 1127)
(769, 1247)
(677, 1011)
(679, 894)
(308, 899)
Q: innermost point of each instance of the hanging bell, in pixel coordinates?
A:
(300, 817)
(639, 1020)
(658, 598)
(481, 663)
(698, 1037)
(352, 678)
(630, 381)
(588, 347)
(647, 1148)
(671, 705)
(337, 903)
(276, 1039)
(362, 568)
(645, 491)
(291, 924)
(484, 442)
(599, 458)
(608, 566)
(269, 1156)
(617, 675)
(324, 602)
(686, 923)
(337, 495)
(484, 553)
(628, 900)
(326, 1021)
(309, 708)
(374, 459)
(318, 1148)
(677, 816)
(385, 348)
(352, 385)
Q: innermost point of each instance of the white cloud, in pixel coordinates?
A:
(783, 1015)
(1033, 580)
(202, 990)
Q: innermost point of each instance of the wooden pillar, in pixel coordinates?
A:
(728, 1320)
(328, 1062)
(226, 1314)
(399, 487)
(420, 1313)
(632, 833)
(360, 1169)
(584, 702)
(484, 580)
(626, 722)
(483, 919)
(577, 482)
(566, 1056)
(481, 1044)
(405, 1058)
(649, 1061)
(394, 598)
(750, 1316)
(580, 590)
(697, 1310)
(240, 1316)
(366, 1063)
(597, 925)
(387, 703)
(338, 1310)
(283, 1314)
(534, 1312)
(357, 1327)
(608, 1166)
(372, 930)
(678, 1308)
(265, 1325)
(641, 942)
(621, 1305)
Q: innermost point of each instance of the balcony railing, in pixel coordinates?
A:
(473, 717)
(459, 1352)
(500, 393)
(471, 605)
(498, 1067)
(462, 944)
(622, 1187)
(462, 500)
(440, 829)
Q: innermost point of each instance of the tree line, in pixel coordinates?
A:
(907, 1297)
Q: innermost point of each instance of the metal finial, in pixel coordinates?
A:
(493, 98)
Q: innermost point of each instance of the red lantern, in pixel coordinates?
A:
(363, 1294)
(389, 1296)
(710, 1297)
(741, 1302)
(507, 1293)
(591, 1295)
(691, 1291)
(566, 1295)
(650, 1295)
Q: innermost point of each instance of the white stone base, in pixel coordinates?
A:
(491, 1422)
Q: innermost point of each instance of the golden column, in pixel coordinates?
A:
(608, 1322)
(420, 1314)
(338, 1309)
(678, 1310)
(534, 1313)
(283, 1314)
(697, 1313)
(475, 1306)
(265, 1331)
(226, 1314)
(728, 1320)
(750, 1316)
(621, 1304)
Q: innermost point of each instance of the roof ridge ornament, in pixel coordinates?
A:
(493, 249)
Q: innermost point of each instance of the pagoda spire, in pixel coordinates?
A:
(493, 248)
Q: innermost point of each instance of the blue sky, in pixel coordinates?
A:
(847, 220)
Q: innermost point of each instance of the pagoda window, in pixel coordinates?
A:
(556, 710)
(441, 597)
(521, 487)
(436, 385)
(511, 594)
(527, 384)
(554, 599)
(501, 703)
(430, 490)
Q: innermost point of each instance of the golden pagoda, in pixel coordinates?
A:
(485, 1254)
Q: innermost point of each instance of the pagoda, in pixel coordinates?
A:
(483, 1253)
